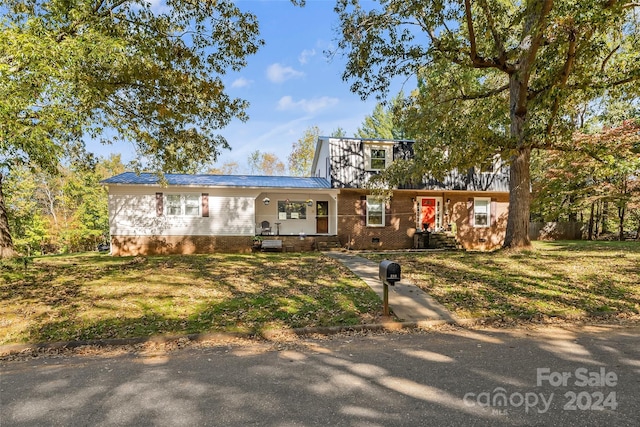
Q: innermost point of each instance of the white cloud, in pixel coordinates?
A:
(278, 74)
(307, 105)
(241, 82)
(303, 58)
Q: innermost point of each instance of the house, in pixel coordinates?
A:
(209, 213)
(471, 207)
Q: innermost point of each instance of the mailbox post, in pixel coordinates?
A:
(389, 274)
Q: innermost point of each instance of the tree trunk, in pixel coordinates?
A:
(621, 212)
(6, 243)
(591, 219)
(517, 235)
(605, 217)
(596, 232)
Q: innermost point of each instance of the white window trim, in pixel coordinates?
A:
(388, 151)
(439, 211)
(376, 200)
(475, 201)
(183, 204)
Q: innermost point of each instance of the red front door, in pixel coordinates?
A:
(428, 213)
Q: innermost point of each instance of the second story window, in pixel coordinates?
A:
(378, 156)
(378, 159)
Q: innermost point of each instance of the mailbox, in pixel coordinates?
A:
(389, 272)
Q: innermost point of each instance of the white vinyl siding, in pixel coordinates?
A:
(481, 211)
(133, 213)
(375, 211)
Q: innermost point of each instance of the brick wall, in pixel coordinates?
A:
(165, 245)
(353, 232)
(400, 220)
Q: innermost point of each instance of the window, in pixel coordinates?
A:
(183, 204)
(377, 156)
(481, 212)
(375, 211)
(174, 205)
(292, 210)
(378, 159)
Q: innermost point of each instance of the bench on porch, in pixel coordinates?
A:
(272, 244)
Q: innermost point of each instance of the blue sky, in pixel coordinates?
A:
(290, 84)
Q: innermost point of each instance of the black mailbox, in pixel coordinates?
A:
(389, 272)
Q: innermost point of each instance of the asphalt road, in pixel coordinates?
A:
(553, 375)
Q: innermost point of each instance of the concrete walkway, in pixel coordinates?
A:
(407, 301)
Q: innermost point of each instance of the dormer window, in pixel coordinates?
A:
(377, 156)
(378, 159)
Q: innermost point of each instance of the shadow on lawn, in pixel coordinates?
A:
(560, 278)
(134, 297)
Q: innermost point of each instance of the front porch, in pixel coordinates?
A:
(296, 213)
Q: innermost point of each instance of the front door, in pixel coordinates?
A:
(322, 217)
(429, 209)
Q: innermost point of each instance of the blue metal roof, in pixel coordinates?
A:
(242, 181)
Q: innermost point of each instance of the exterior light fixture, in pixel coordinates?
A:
(266, 201)
(309, 202)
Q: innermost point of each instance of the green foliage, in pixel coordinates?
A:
(61, 212)
(75, 68)
(495, 77)
(118, 71)
(339, 133)
(302, 152)
(383, 122)
(600, 173)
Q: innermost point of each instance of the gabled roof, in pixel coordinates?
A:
(238, 181)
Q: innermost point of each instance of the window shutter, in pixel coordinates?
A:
(205, 204)
(159, 204)
(470, 209)
(494, 207)
(363, 210)
(367, 157)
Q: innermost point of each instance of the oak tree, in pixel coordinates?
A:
(495, 77)
(120, 71)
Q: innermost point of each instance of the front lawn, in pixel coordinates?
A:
(96, 296)
(568, 278)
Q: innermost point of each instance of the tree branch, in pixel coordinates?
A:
(488, 94)
(502, 58)
(564, 76)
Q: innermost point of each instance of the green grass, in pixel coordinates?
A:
(568, 278)
(96, 296)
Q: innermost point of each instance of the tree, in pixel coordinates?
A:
(339, 133)
(228, 168)
(494, 77)
(265, 164)
(383, 123)
(302, 152)
(150, 77)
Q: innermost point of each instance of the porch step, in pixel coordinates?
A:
(443, 241)
(331, 243)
